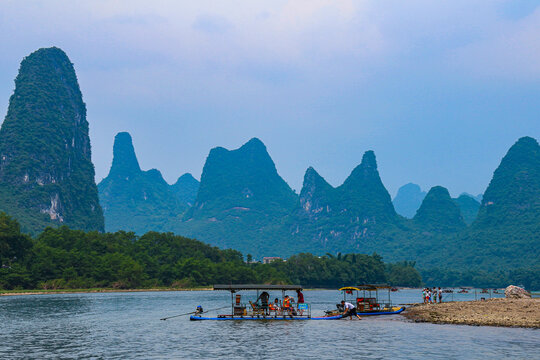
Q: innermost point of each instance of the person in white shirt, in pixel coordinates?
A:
(349, 309)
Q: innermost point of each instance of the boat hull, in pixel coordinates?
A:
(382, 312)
(278, 318)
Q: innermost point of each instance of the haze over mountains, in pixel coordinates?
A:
(137, 200)
(409, 198)
(46, 178)
(243, 203)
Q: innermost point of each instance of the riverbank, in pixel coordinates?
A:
(112, 290)
(493, 312)
(96, 290)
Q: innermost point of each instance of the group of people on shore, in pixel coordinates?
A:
(430, 295)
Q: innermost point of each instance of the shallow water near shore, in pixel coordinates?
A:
(127, 325)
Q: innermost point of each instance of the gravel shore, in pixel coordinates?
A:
(493, 312)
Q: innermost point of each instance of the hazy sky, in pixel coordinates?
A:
(438, 89)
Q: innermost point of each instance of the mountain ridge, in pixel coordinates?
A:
(133, 199)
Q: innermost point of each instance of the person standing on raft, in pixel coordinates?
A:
(264, 301)
(300, 296)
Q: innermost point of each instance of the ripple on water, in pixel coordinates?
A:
(127, 325)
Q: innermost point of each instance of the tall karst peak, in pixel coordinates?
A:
(242, 178)
(312, 177)
(46, 173)
(368, 160)
(254, 144)
(514, 191)
(365, 172)
(364, 194)
(133, 199)
(125, 161)
(316, 193)
(439, 212)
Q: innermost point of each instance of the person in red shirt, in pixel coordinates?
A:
(300, 296)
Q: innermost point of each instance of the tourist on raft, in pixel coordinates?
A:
(300, 300)
(264, 301)
(300, 296)
(287, 305)
(275, 306)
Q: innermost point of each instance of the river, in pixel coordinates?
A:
(127, 325)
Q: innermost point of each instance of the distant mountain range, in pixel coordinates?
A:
(141, 201)
(47, 179)
(410, 196)
(243, 203)
(408, 200)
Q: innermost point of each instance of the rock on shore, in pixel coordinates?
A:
(493, 312)
(515, 292)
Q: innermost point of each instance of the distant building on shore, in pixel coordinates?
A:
(269, 259)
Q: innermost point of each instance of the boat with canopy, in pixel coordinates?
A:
(242, 308)
(368, 300)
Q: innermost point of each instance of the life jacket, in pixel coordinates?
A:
(287, 302)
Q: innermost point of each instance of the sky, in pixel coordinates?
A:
(438, 89)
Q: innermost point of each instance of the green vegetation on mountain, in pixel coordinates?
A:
(64, 258)
(241, 202)
(439, 213)
(507, 228)
(241, 181)
(186, 189)
(513, 195)
(136, 200)
(244, 204)
(469, 208)
(47, 179)
(408, 199)
(316, 195)
(46, 173)
(349, 218)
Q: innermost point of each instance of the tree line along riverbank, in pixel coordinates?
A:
(62, 258)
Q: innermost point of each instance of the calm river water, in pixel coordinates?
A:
(127, 325)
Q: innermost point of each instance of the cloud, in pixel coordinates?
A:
(211, 24)
(511, 51)
(304, 75)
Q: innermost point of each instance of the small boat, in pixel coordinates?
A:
(394, 289)
(463, 291)
(242, 310)
(369, 300)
